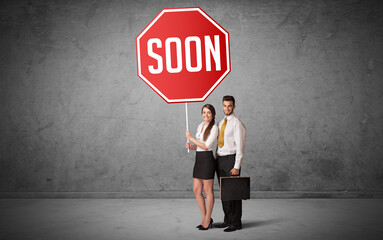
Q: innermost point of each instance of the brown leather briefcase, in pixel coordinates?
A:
(234, 188)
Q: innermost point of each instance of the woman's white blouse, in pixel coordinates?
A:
(210, 140)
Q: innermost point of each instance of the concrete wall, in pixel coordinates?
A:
(307, 76)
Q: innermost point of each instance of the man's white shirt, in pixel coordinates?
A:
(234, 139)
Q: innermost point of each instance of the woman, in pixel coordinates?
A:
(204, 167)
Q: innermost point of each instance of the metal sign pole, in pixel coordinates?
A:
(187, 121)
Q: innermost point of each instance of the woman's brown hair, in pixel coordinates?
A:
(209, 127)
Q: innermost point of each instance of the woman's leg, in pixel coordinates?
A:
(208, 186)
(197, 189)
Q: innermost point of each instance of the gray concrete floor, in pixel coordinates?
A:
(72, 219)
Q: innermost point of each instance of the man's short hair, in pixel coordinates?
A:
(228, 98)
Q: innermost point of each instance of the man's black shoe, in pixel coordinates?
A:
(222, 225)
(232, 228)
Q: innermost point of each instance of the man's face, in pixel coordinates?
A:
(228, 107)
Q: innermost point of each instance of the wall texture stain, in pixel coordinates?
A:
(307, 76)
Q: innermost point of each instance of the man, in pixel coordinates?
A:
(230, 150)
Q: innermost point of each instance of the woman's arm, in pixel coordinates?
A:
(212, 137)
(195, 141)
(188, 145)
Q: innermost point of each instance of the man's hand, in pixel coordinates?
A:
(234, 172)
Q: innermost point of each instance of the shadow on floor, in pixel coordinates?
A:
(261, 223)
(257, 223)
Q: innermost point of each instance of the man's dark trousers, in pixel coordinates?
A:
(232, 209)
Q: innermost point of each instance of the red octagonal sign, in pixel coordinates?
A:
(183, 54)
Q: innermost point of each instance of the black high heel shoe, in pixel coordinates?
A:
(211, 222)
(210, 225)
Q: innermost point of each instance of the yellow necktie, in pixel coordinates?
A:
(222, 133)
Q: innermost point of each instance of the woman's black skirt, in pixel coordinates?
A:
(204, 167)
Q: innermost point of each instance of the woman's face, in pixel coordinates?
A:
(206, 115)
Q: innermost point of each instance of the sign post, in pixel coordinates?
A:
(187, 120)
(183, 55)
